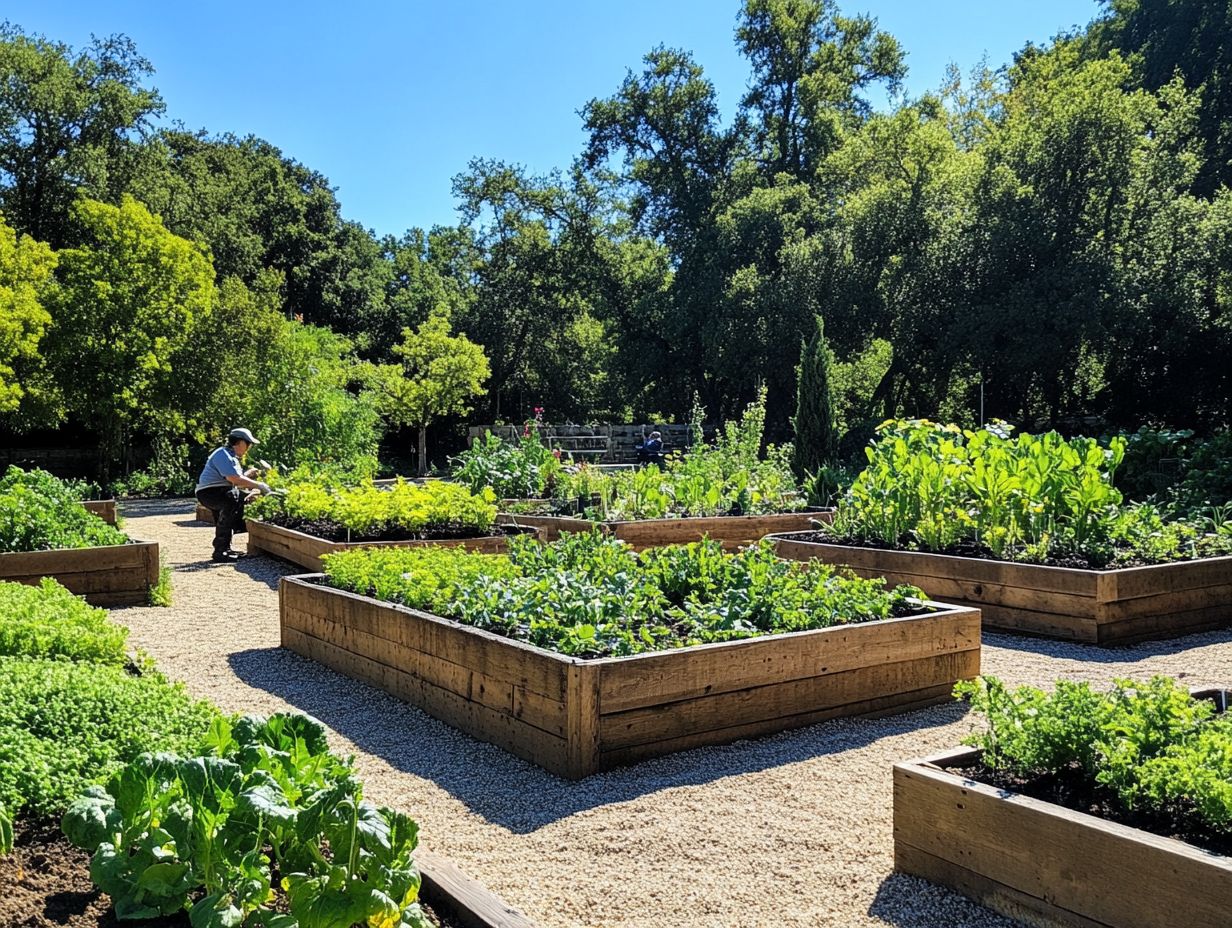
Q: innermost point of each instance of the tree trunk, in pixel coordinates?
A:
(423, 450)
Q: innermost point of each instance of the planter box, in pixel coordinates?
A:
(576, 717)
(454, 895)
(112, 575)
(306, 550)
(1044, 864)
(105, 509)
(205, 515)
(1106, 607)
(732, 531)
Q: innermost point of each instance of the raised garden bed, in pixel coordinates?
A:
(105, 509)
(576, 717)
(205, 515)
(306, 550)
(1106, 607)
(1042, 863)
(109, 575)
(732, 531)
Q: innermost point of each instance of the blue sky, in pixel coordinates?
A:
(390, 99)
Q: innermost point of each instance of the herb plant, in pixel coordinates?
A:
(1155, 749)
(49, 621)
(212, 833)
(590, 595)
(368, 511)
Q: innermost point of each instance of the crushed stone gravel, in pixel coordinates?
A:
(788, 831)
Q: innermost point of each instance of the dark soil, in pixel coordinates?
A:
(1072, 789)
(1073, 561)
(45, 883)
(332, 531)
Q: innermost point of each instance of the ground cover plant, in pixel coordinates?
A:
(589, 595)
(263, 826)
(49, 621)
(1032, 498)
(39, 512)
(1147, 753)
(365, 512)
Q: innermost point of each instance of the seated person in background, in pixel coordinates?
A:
(650, 451)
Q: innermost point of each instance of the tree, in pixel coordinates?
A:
(438, 375)
(26, 268)
(67, 125)
(127, 300)
(816, 443)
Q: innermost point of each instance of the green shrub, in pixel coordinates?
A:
(521, 469)
(49, 621)
(589, 595)
(65, 725)
(38, 512)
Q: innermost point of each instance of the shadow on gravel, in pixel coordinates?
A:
(141, 508)
(1089, 653)
(495, 784)
(910, 902)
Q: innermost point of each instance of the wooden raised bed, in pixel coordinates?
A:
(732, 531)
(576, 717)
(1106, 607)
(105, 509)
(111, 575)
(306, 550)
(1044, 864)
(205, 515)
(454, 895)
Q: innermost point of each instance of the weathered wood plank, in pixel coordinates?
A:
(582, 724)
(453, 894)
(110, 575)
(1106, 873)
(666, 676)
(890, 704)
(105, 509)
(1133, 582)
(792, 698)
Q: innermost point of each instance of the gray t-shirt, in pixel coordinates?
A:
(218, 466)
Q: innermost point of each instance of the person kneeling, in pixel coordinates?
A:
(219, 489)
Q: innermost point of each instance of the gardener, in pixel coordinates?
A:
(651, 450)
(219, 490)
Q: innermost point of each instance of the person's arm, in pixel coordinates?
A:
(239, 480)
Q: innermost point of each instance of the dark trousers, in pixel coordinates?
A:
(227, 504)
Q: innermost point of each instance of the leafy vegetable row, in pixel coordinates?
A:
(370, 511)
(1031, 498)
(590, 595)
(39, 512)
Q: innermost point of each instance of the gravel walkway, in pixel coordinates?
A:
(786, 831)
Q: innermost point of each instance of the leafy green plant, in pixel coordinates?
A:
(66, 724)
(521, 469)
(160, 593)
(39, 512)
(1029, 497)
(590, 595)
(368, 511)
(49, 621)
(6, 832)
(1154, 747)
(211, 833)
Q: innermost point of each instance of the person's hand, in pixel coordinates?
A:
(263, 487)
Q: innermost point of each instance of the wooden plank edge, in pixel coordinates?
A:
(452, 893)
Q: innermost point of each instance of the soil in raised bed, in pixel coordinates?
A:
(332, 531)
(977, 552)
(1073, 790)
(45, 883)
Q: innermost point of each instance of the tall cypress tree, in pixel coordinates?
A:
(816, 442)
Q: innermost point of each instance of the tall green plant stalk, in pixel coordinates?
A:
(816, 445)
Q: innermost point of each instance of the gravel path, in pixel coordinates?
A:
(786, 831)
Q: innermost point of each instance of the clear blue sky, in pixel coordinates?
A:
(390, 99)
